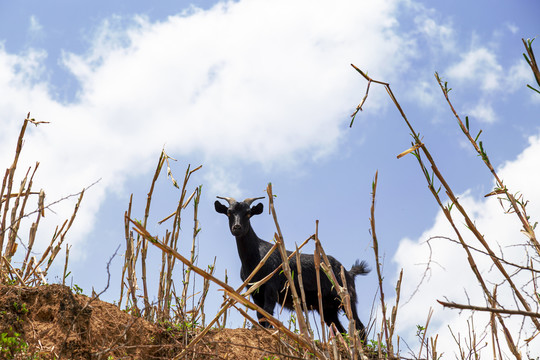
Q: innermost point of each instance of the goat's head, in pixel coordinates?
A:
(239, 213)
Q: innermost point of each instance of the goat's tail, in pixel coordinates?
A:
(359, 268)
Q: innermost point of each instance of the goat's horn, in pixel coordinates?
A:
(230, 200)
(249, 201)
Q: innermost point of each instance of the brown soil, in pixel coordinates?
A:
(57, 324)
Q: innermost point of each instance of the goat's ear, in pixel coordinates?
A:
(220, 208)
(257, 209)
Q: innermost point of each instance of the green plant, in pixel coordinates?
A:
(292, 321)
(420, 330)
(180, 326)
(78, 290)
(20, 308)
(11, 344)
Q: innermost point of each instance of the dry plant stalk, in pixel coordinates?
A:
(169, 306)
(378, 264)
(317, 261)
(531, 60)
(517, 207)
(166, 295)
(13, 205)
(343, 294)
(388, 325)
(286, 268)
(232, 298)
(253, 287)
(302, 292)
(129, 265)
(233, 294)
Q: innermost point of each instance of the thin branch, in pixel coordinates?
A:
(489, 309)
(48, 206)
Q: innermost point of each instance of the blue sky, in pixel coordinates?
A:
(261, 92)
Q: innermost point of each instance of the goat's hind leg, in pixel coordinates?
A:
(331, 316)
(359, 326)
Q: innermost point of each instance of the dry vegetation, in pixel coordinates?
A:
(51, 321)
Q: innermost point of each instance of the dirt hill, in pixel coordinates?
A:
(51, 322)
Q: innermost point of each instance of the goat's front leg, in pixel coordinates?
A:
(267, 301)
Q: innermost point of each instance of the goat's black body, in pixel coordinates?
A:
(252, 249)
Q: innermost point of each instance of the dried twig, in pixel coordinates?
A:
(489, 309)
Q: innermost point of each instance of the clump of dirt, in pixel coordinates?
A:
(57, 324)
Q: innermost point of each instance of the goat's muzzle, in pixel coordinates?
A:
(236, 229)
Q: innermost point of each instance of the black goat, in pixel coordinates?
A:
(252, 249)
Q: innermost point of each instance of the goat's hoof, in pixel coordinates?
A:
(265, 324)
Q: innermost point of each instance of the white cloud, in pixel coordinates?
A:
(442, 35)
(513, 28)
(223, 183)
(449, 275)
(244, 82)
(425, 93)
(35, 28)
(479, 68)
(226, 81)
(479, 65)
(483, 111)
(519, 75)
